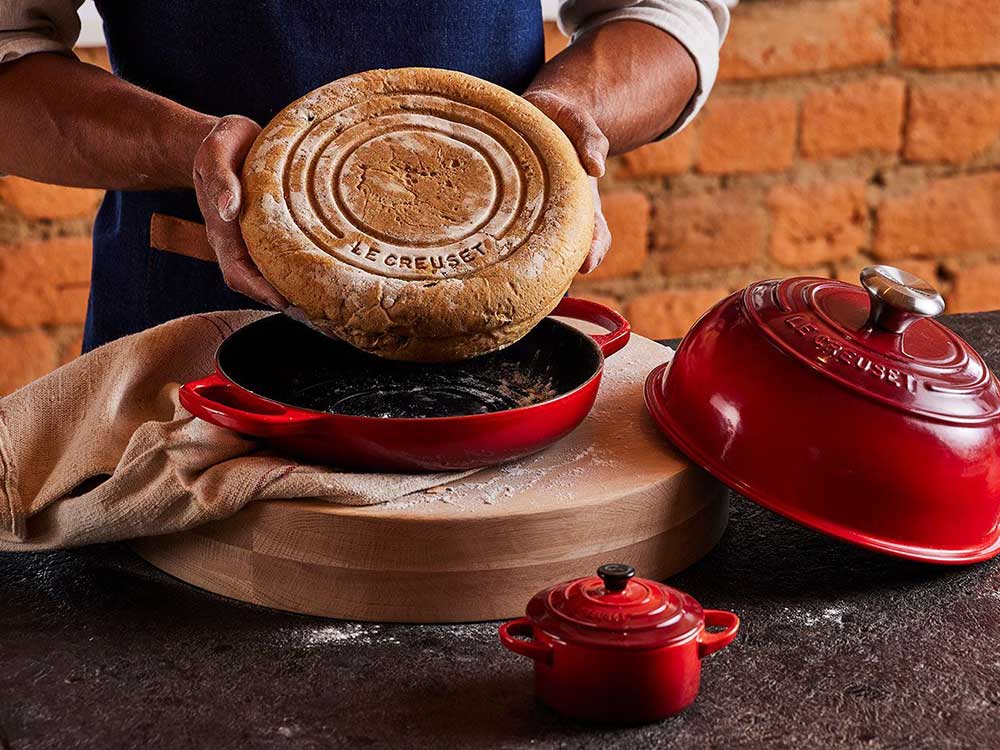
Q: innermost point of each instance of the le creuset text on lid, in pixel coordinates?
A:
(885, 350)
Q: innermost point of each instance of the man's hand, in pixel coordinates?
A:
(591, 147)
(74, 124)
(217, 167)
(616, 87)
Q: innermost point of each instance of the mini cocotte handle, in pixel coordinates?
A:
(218, 401)
(519, 636)
(708, 642)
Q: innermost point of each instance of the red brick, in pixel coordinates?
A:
(24, 356)
(667, 157)
(947, 33)
(742, 134)
(771, 39)
(627, 213)
(952, 122)
(44, 282)
(707, 231)
(555, 40)
(948, 216)
(864, 115)
(34, 200)
(817, 223)
(668, 314)
(975, 289)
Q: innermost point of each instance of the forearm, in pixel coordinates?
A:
(634, 79)
(70, 123)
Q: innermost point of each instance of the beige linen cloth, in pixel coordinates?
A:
(102, 450)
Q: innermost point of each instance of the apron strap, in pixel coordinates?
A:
(180, 236)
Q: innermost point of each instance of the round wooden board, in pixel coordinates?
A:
(612, 491)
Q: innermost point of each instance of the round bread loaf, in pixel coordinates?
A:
(418, 214)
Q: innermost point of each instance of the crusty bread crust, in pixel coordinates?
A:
(419, 214)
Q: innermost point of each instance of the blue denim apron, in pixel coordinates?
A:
(252, 57)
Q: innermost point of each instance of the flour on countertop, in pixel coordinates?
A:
(829, 616)
(347, 633)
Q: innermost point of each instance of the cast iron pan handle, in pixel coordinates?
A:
(709, 643)
(215, 399)
(596, 313)
(519, 636)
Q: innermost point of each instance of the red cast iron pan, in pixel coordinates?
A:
(322, 400)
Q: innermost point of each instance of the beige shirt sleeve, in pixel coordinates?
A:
(29, 26)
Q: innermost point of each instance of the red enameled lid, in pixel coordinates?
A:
(615, 609)
(878, 341)
(856, 413)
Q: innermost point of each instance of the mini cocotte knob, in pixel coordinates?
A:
(615, 576)
(898, 298)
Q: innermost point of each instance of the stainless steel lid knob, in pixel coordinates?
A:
(898, 298)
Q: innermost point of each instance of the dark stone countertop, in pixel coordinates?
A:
(840, 648)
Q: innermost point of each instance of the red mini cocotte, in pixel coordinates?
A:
(617, 648)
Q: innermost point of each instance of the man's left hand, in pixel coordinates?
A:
(591, 147)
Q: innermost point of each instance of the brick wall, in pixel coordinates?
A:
(842, 132)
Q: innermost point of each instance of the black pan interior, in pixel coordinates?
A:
(285, 361)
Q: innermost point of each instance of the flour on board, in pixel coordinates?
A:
(602, 441)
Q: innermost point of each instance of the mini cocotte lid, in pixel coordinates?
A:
(615, 609)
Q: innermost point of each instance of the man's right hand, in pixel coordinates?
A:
(217, 167)
(69, 123)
